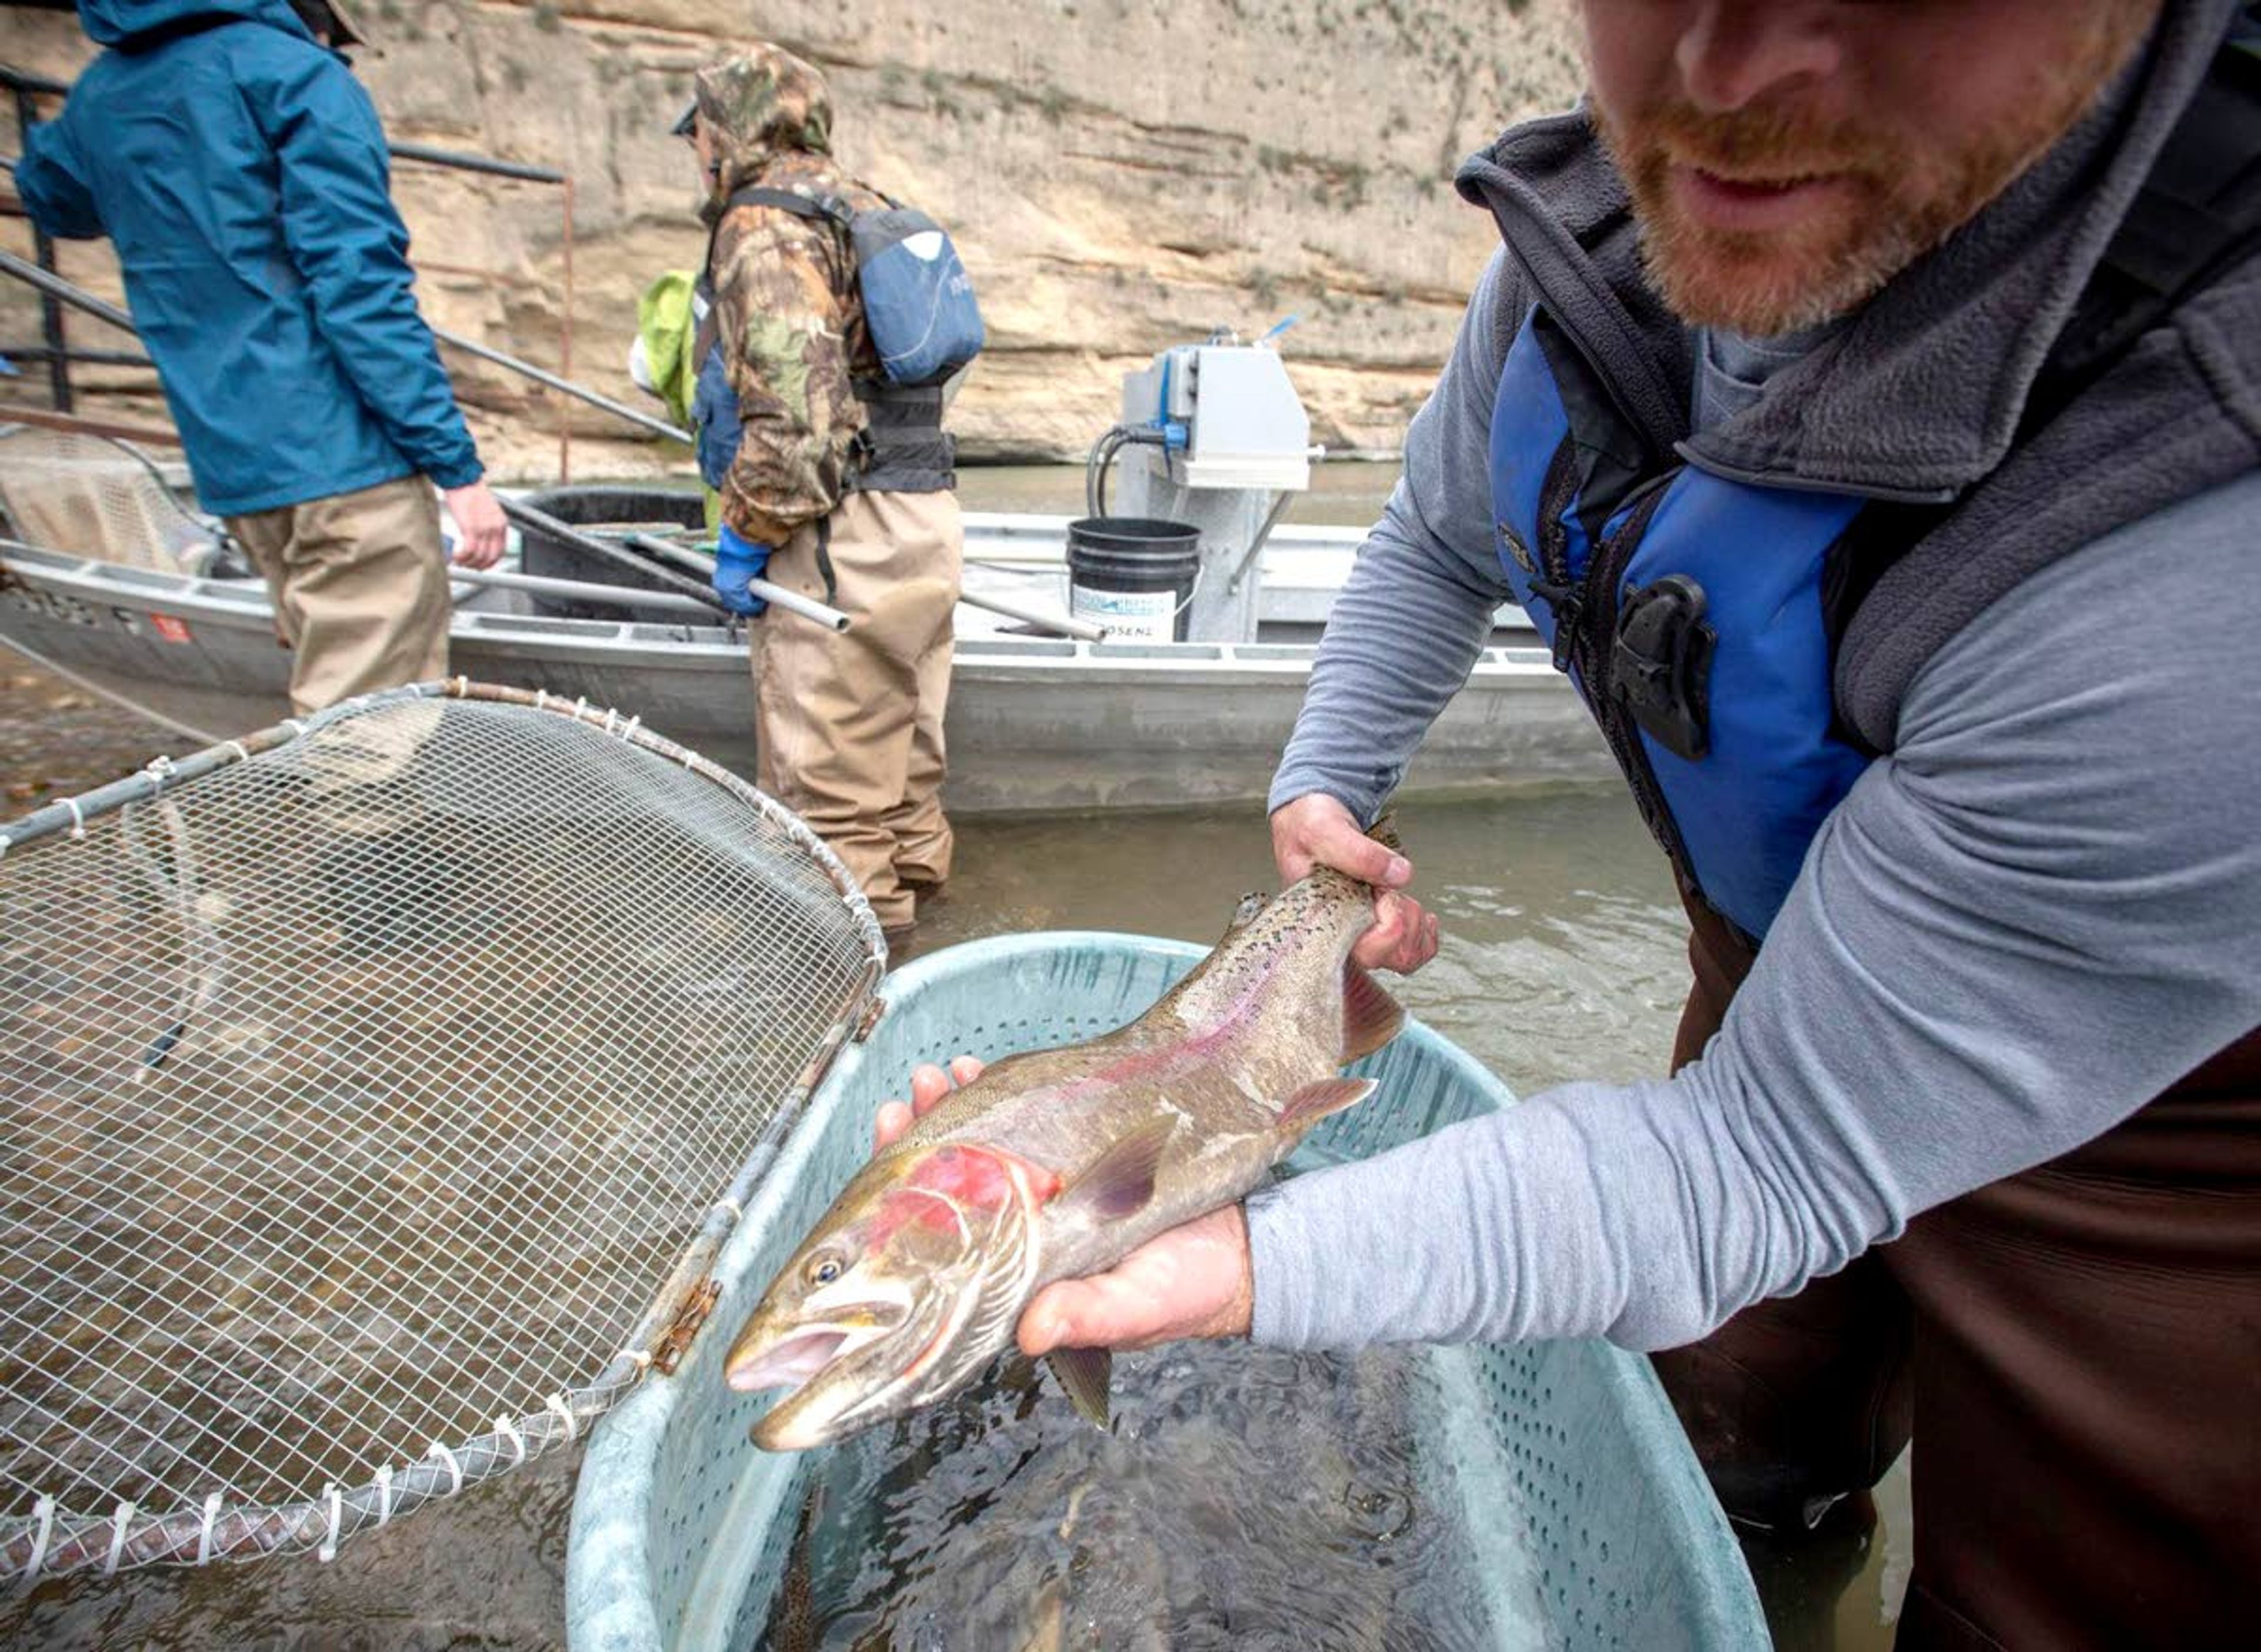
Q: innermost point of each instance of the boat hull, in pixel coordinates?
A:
(1034, 724)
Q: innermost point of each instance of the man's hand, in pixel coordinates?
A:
(1193, 1281)
(738, 560)
(1316, 829)
(480, 521)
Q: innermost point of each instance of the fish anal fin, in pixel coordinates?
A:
(1371, 1016)
(1085, 1376)
(1314, 1102)
(1120, 1183)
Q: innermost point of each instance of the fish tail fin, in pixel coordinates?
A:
(1371, 1016)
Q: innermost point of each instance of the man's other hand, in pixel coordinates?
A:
(479, 522)
(1316, 831)
(1193, 1281)
(928, 1085)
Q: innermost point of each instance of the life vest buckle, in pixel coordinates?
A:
(1661, 663)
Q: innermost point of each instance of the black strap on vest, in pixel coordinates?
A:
(2197, 214)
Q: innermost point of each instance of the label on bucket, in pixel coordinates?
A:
(1136, 616)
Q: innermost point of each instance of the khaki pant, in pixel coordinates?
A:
(849, 724)
(359, 584)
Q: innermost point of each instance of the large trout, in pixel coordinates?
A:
(1057, 1163)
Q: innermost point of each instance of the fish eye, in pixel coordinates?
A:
(822, 1270)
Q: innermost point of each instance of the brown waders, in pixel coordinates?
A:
(2078, 1349)
(360, 585)
(849, 725)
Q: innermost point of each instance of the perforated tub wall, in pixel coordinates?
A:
(1591, 1524)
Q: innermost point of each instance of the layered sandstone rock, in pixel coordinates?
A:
(1120, 176)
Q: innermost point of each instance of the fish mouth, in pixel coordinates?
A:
(790, 1363)
(798, 1358)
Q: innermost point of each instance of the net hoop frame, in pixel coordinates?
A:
(52, 1543)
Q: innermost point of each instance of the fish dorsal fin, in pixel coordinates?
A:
(1371, 1016)
(1085, 1376)
(1252, 905)
(1314, 1102)
(1122, 1182)
(1384, 831)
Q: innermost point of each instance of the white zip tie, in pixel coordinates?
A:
(508, 1430)
(612, 717)
(236, 746)
(45, 1509)
(732, 1208)
(205, 1536)
(384, 1496)
(118, 1539)
(641, 1357)
(454, 1468)
(329, 1549)
(542, 699)
(78, 820)
(581, 709)
(572, 1429)
(634, 723)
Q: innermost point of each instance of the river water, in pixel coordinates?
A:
(1561, 959)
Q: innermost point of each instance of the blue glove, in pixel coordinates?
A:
(737, 560)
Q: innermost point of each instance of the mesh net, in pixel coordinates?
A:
(94, 497)
(372, 1101)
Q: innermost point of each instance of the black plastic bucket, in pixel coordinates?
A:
(589, 505)
(1133, 574)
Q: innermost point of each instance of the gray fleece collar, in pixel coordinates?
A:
(1920, 395)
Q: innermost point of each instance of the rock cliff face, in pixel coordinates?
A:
(1119, 176)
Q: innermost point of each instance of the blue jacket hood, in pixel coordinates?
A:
(123, 22)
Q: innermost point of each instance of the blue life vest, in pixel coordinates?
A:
(1692, 613)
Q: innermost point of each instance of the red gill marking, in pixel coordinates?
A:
(956, 1178)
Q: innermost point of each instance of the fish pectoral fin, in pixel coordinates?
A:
(1314, 1102)
(1371, 1016)
(1122, 1182)
(1085, 1376)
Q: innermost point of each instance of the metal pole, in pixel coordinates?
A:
(608, 596)
(43, 249)
(1065, 625)
(472, 347)
(1256, 545)
(25, 269)
(792, 601)
(566, 346)
(54, 286)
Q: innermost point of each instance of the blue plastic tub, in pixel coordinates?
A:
(1592, 1524)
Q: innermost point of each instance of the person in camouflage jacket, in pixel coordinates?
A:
(832, 484)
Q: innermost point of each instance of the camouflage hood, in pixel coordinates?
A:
(761, 105)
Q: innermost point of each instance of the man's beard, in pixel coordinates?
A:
(1889, 206)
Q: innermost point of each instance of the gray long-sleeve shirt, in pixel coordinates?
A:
(2043, 909)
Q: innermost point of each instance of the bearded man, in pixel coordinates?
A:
(1866, 403)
